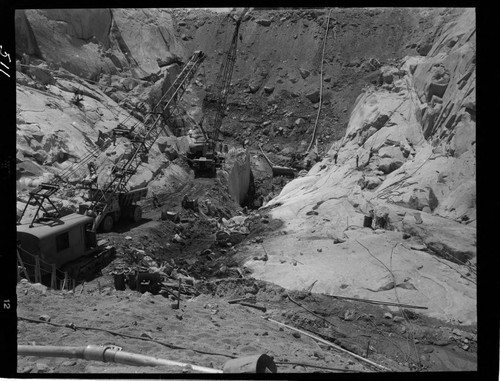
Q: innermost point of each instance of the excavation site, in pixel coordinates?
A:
(245, 190)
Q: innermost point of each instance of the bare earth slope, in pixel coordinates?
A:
(406, 174)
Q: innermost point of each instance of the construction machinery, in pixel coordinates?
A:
(115, 201)
(203, 155)
(69, 242)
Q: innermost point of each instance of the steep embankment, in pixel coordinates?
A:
(419, 127)
(275, 88)
(275, 93)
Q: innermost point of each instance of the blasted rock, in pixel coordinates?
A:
(371, 182)
(304, 73)
(388, 165)
(263, 22)
(313, 96)
(268, 89)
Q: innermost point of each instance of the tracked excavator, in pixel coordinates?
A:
(204, 156)
(70, 241)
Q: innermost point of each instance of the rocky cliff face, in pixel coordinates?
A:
(277, 72)
(408, 155)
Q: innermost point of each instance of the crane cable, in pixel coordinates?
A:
(313, 139)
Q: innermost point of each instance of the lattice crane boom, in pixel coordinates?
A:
(107, 199)
(223, 82)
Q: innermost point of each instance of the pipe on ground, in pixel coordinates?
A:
(105, 354)
(283, 171)
(248, 364)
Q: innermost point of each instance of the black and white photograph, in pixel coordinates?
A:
(244, 190)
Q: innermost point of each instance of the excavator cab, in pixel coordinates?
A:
(204, 157)
(197, 150)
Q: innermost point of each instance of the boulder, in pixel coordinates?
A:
(236, 237)
(443, 237)
(43, 76)
(371, 182)
(424, 46)
(299, 121)
(129, 83)
(429, 117)
(40, 157)
(28, 168)
(388, 73)
(268, 89)
(349, 315)
(253, 87)
(420, 199)
(263, 22)
(171, 153)
(439, 80)
(393, 152)
(388, 165)
(117, 96)
(163, 143)
(67, 37)
(116, 82)
(41, 368)
(313, 96)
(304, 73)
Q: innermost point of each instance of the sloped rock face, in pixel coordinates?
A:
(445, 83)
(410, 167)
(145, 36)
(88, 42)
(25, 38)
(444, 238)
(74, 39)
(426, 150)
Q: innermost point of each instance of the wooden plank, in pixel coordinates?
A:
(22, 266)
(65, 281)
(246, 298)
(261, 308)
(37, 269)
(53, 279)
(329, 344)
(376, 302)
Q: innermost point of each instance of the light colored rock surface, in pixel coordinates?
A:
(435, 172)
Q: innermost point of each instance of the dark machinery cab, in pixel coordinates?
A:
(63, 242)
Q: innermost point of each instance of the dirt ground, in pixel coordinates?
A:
(207, 330)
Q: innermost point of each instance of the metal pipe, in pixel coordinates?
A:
(105, 354)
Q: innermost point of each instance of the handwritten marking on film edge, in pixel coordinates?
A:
(4, 55)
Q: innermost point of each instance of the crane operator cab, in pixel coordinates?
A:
(203, 160)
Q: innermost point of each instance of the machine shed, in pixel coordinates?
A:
(56, 241)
